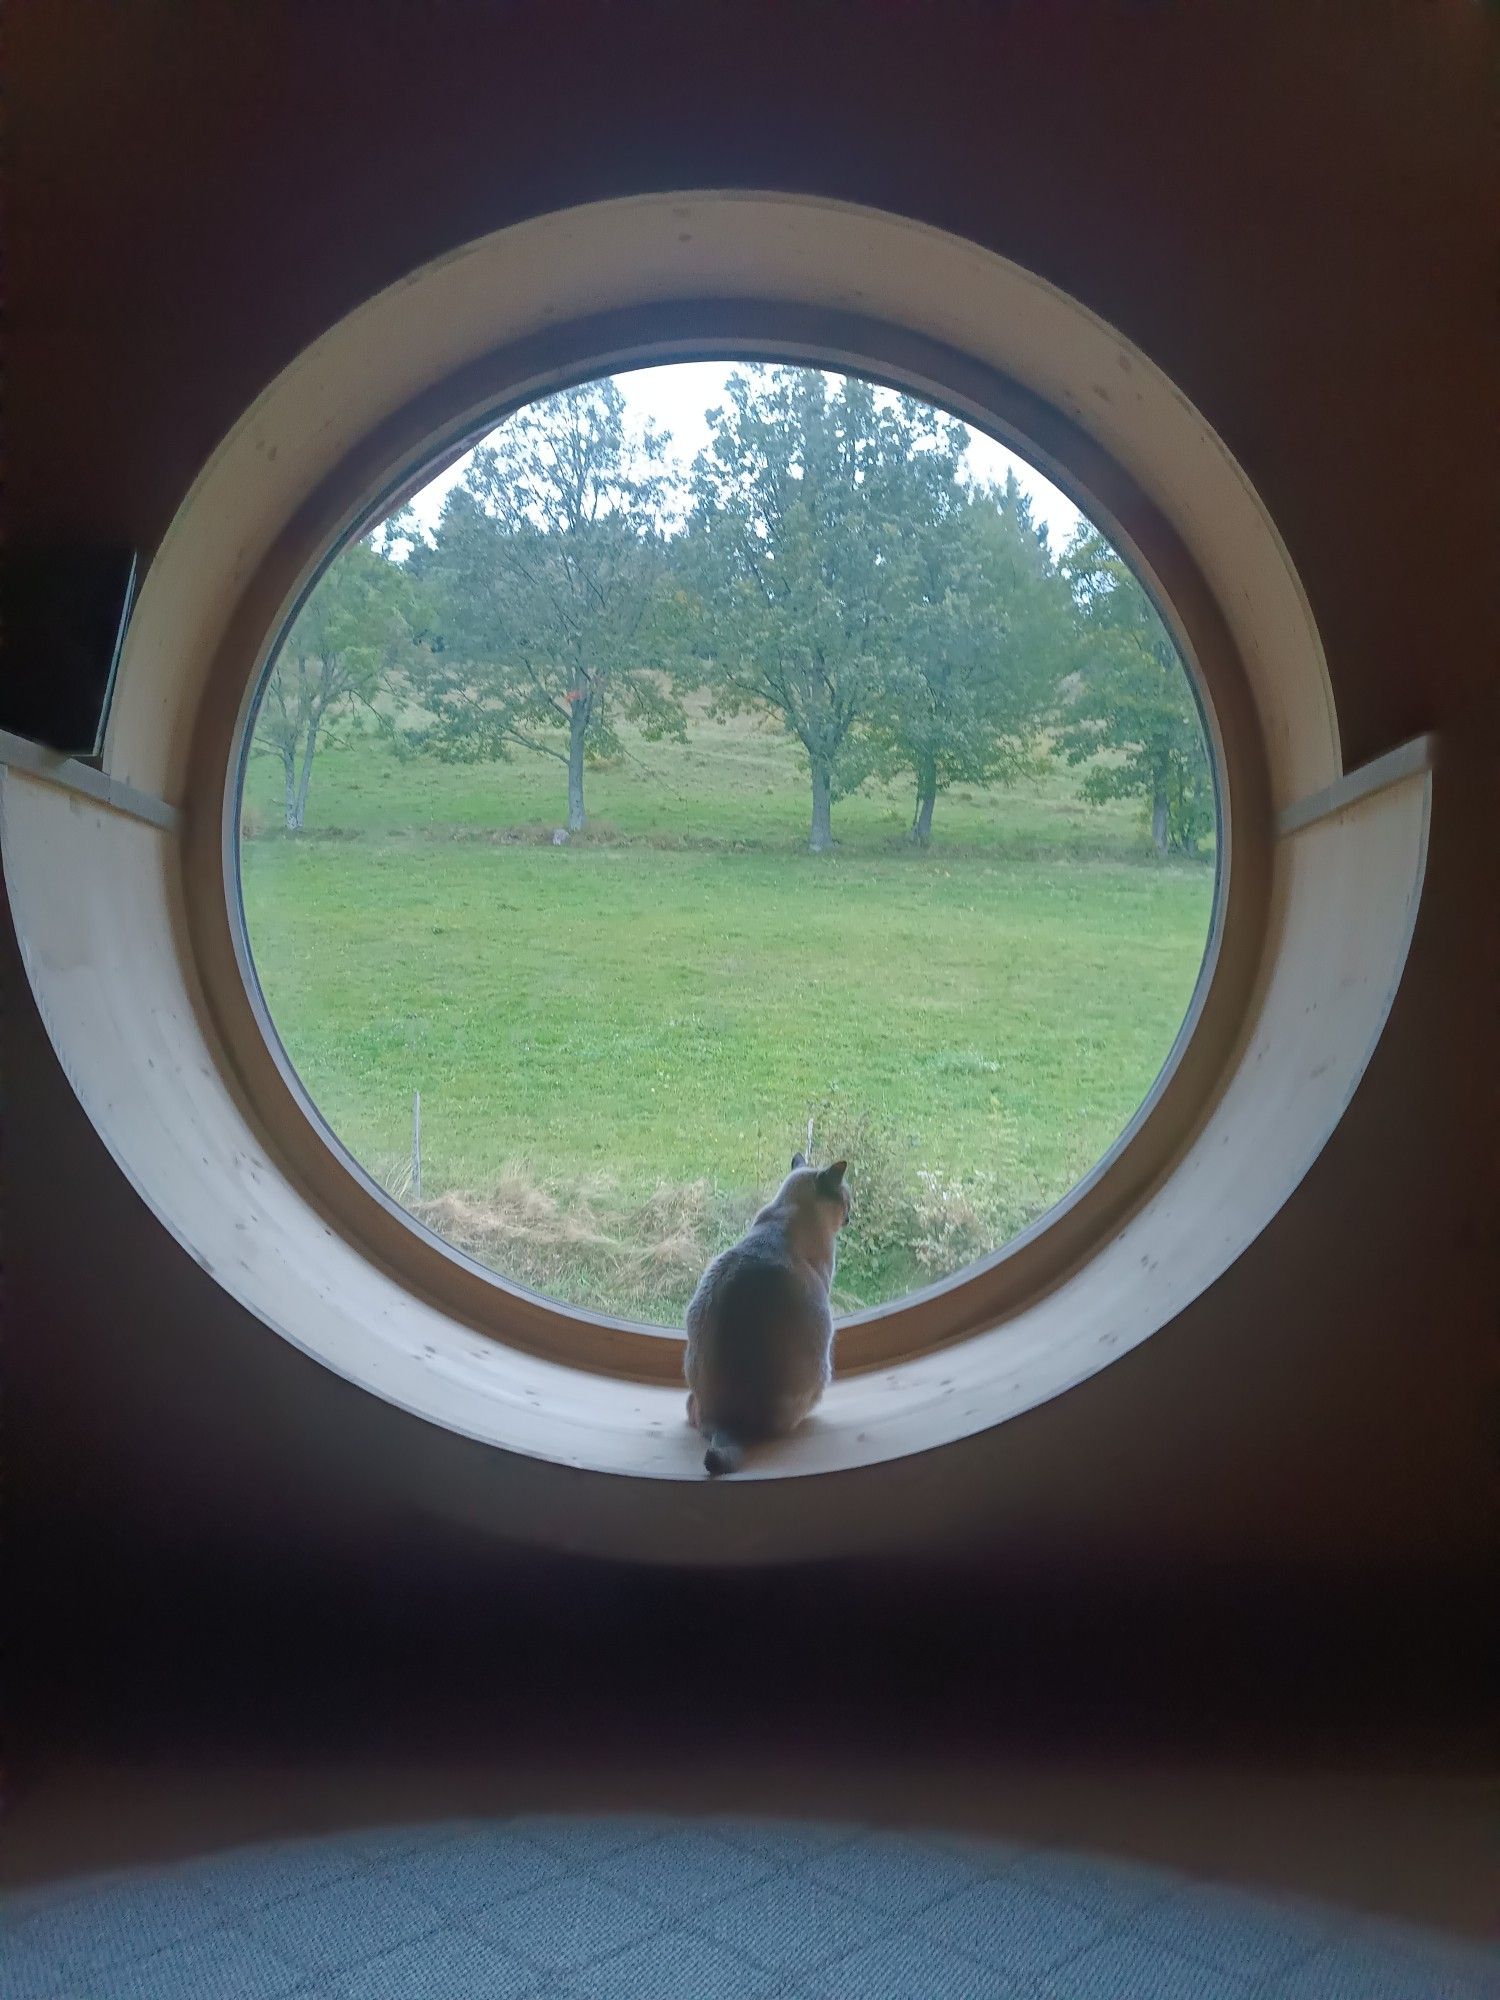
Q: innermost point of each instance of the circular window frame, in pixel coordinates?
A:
(116, 880)
(447, 420)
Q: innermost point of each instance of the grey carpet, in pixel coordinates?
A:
(640, 1909)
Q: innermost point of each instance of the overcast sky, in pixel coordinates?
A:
(675, 396)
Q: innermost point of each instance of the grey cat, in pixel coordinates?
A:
(760, 1326)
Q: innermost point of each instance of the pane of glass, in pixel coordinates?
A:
(722, 761)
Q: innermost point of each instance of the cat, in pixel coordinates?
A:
(760, 1326)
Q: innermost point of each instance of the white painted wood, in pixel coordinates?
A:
(70, 775)
(1407, 760)
(381, 463)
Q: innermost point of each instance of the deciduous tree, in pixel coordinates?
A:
(337, 658)
(540, 587)
(985, 639)
(798, 551)
(1132, 716)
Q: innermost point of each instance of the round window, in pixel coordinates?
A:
(651, 796)
(722, 760)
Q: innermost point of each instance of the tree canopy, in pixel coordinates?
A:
(1131, 715)
(340, 653)
(837, 571)
(800, 548)
(982, 647)
(540, 588)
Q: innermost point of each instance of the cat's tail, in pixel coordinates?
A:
(724, 1454)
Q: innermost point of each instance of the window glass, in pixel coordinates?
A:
(721, 761)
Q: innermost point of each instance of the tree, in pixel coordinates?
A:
(797, 552)
(983, 646)
(337, 657)
(540, 587)
(1132, 708)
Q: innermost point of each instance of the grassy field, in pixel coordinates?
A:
(619, 1042)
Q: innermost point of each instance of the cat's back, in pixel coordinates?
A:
(759, 1333)
(760, 1328)
(757, 1273)
(759, 1299)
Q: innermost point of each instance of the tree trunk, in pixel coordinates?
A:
(820, 840)
(289, 787)
(1159, 823)
(921, 826)
(305, 779)
(578, 724)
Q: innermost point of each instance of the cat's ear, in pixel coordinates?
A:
(831, 1179)
(797, 1161)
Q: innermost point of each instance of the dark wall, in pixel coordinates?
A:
(1287, 207)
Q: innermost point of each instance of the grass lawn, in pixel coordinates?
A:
(619, 1042)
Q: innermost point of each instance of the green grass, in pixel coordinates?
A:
(618, 1042)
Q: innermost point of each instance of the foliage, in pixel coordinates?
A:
(798, 557)
(339, 655)
(984, 642)
(590, 1239)
(923, 1221)
(1132, 716)
(540, 587)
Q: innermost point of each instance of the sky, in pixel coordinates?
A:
(675, 396)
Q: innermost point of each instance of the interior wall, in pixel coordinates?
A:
(1288, 208)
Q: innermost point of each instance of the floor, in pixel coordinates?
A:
(622, 1908)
